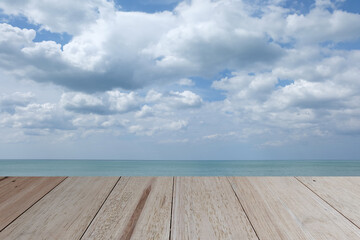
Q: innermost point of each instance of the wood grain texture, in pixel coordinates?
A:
(64, 213)
(342, 193)
(137, 208)
(207, 208)
(17, 194)
(283, 208)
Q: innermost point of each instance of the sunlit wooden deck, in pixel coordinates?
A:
(180, 208)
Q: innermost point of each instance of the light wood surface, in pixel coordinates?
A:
(177, 208)
(64, 213)
(207, 208)
(283, 208)
(138, 208)
(342, 193)
(17, 194)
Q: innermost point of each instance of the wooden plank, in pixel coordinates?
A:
(342, 193)
(283, 208)
(64, 213)
(137, 208)
(207, 208)
(19, 193)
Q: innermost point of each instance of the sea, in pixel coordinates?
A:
(51, 167)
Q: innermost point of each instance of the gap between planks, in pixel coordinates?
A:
(172, 205)
(99, 208)
(246, 214)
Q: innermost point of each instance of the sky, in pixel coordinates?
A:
(170, 79)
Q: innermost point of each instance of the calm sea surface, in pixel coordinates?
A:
(178, 168)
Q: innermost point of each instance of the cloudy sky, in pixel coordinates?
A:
(170, 79)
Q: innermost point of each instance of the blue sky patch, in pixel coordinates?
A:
(351, 45)
(44, 35)
(352, 6)
(149, 6)
(284, 82)
(204, 89)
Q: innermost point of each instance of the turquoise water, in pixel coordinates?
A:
(178, 168)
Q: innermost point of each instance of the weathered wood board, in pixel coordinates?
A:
(342, 193)
(138, 208)
(64, 213)
(17, 194)
(207, 208)
(283, 208)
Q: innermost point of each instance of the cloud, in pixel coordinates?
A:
(8, 103)
(112, 49)
(351, 126)
(112, 102)
(246, 87)
(203, 46)
(175, 125)
(284, 73)
(320, 98)
(276, 143)
(98, 122)
(304, 94)
(186, 82)
(114, 112)
(131, 50)
(185, 99)
(218, 135)
(116, 102)
(162, 125)
(145, 111)
(12, 40)
(174, 99)
(37, 117)
(84, 103)
(323, 23)
(64, 16)
(320, 25)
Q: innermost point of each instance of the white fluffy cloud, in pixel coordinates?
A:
(134, 49)
(111, 102)
(112, 48)
(116, 102)
(202, 45)
(321, 25)
(322, 94)
(35, 116)
(82, 114)
(317, 26)
(183, 99)
(60, 16)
